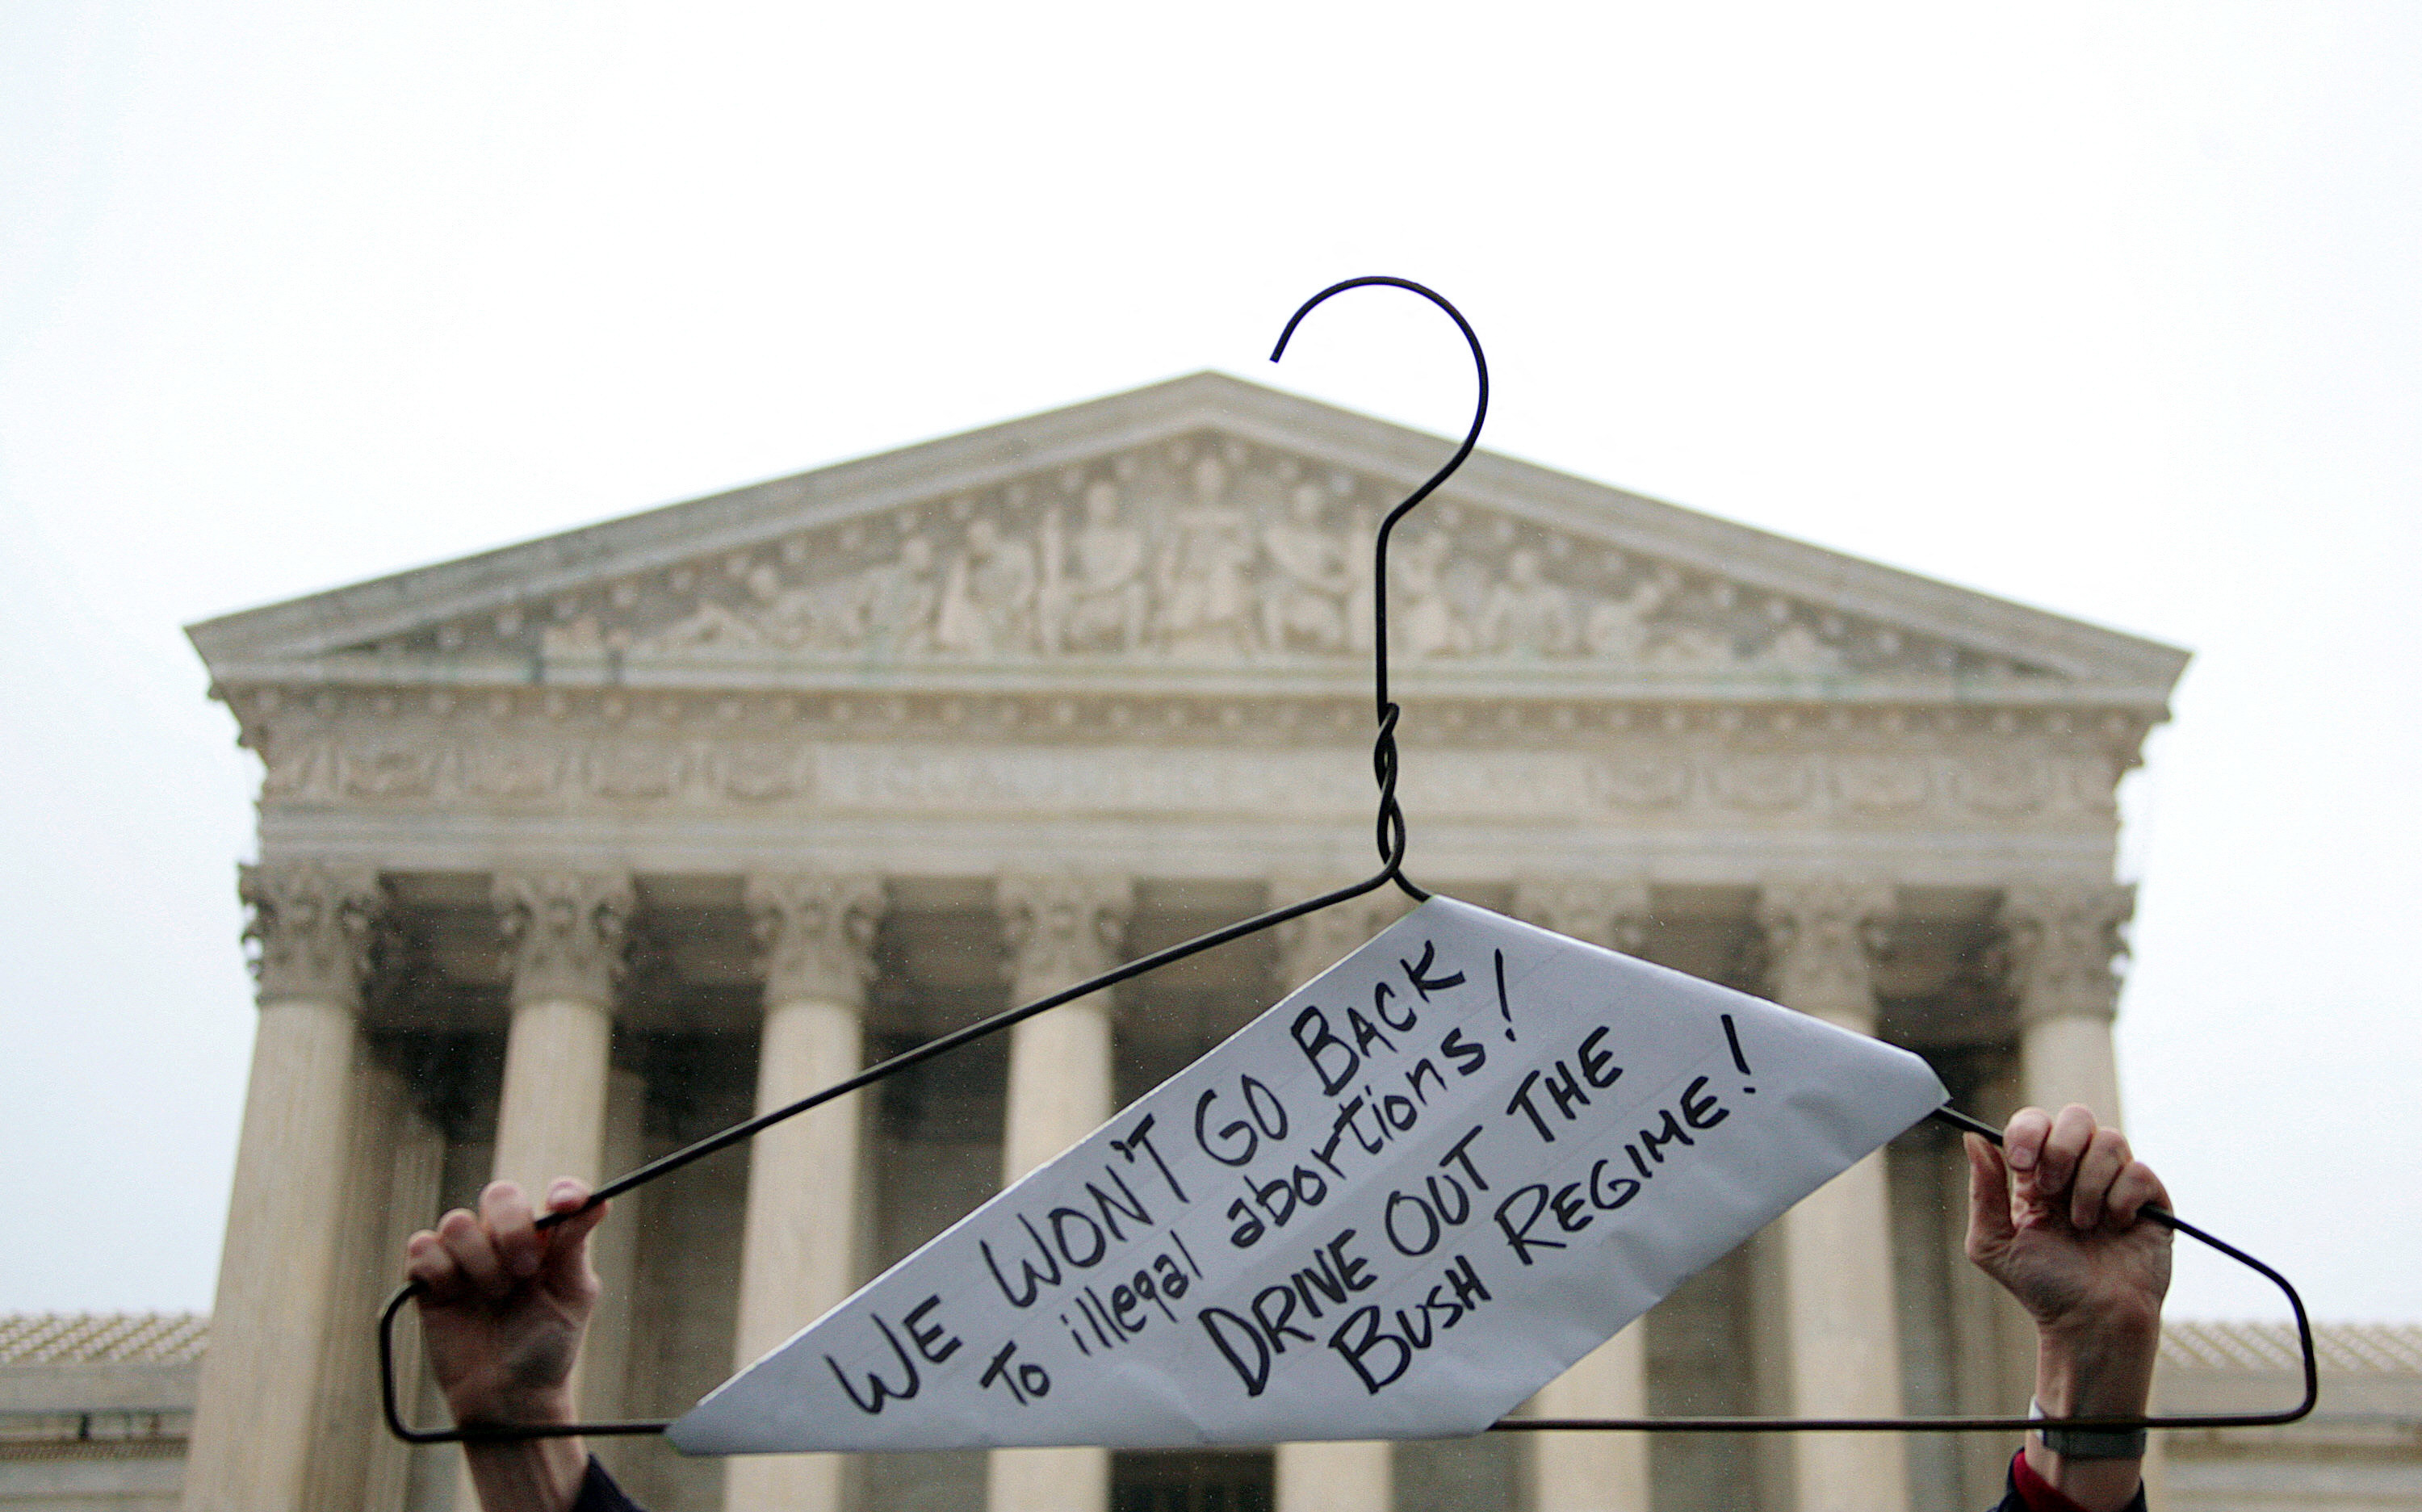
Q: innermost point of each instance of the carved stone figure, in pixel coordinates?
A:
(582, 639)
(710, 625)
(1692, 648)
(1526, 615)
(1797, 649)
(1617, 628)
(900, 599)
(827, 615)
(1204, 610)
(988, 599)
(1214, 567)
(1305, 599)
(1094, 595)
(1361, 567)
(1430, 625)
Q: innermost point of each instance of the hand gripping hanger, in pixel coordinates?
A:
(1391, 837)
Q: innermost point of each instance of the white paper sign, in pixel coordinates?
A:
(1392, 1206)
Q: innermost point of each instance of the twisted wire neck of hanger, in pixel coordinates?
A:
(1384, 763)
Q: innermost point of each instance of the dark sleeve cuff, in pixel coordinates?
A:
(2030, 1492)
(598, 1492)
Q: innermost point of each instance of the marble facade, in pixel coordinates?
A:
(577, 850)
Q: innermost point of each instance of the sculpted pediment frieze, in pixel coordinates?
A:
(1202, 525)
(1201, 549)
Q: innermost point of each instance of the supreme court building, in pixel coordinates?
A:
(575, 851)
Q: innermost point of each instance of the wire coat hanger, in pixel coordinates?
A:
(1392, 838)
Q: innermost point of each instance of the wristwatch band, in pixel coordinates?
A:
(2087, 1444)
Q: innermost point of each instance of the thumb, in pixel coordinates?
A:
(1988, 1197)
(567, 1247)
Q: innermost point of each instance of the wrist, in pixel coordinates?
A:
(528, 1474)
(2087, 1444)
(2104, 1370)
(521, 1406)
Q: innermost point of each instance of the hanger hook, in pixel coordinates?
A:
(1383, 753)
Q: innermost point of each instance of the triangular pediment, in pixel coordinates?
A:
(1200, 528)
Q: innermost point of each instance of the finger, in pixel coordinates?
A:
(2106, 1154)
(1989, 1198)
(507, 1212)
(429, 1268)
(2022, 1141)
(2073, 1131)
(467, 1240)
(2136, 1186)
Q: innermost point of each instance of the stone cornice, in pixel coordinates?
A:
(1474, 679)
(1147, 711)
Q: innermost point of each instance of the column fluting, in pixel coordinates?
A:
(255, 1405)
(1059, 929)
(1351, 1476)
(1593, 1471)
(1839, 1310)
(815, 941)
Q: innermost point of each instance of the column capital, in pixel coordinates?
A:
(1313, 942)
(314, 924)
(2058, 943)
(563, 931)
(815, 934)
(1061, 927)
(1820, 937)
(1613, 912)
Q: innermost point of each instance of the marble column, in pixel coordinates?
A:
(2061, 941)
(416, 1170)
(390, 1190)
(1353, 1475)
(255, 1411)
(798, 1256)
(1593, 1471)
(564, 933)
(1835, 1261)
(606, 1391)
(1059, 929)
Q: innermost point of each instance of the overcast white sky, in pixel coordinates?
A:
(2112, 314)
